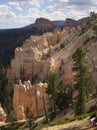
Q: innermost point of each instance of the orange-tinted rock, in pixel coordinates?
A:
(68, 76)
(27, 97)
(31, 58)
(2, 115)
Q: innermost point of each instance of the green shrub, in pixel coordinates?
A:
(62, 46)
(61, 122)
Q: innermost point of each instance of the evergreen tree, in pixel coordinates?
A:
(3, 87)
(51, 89)
(6, 91)
(93, 14)
(60, 97)
(82, 75)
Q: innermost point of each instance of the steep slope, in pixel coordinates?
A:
(52, 52)
(12, 38)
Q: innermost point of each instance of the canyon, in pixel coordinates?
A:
(40, 55)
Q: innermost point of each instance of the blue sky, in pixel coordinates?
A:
(19, 13)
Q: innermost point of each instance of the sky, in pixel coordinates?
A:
(19, 13)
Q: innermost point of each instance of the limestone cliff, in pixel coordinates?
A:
(29, 100)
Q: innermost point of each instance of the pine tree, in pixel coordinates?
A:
(51, 89)
(82, 73)
(3, 87)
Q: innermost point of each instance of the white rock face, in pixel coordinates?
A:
(31, 58)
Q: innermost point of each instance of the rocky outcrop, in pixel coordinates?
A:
(71, 23)
(33, 58)
(2, 115)
(29, 100)
(42, 25)
(74, 23)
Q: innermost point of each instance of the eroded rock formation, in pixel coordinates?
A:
(2, 115)
(52, 52)
(33, 58)
(29, 100)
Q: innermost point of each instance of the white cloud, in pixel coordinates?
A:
(63, 0)
(10, 14)
(18, 13)
(25, 0)
(6, 12)
(30, 2)
(19, 8)
(15, 5)
(4, 8)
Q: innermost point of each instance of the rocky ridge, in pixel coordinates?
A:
(42, 25)
(51, 52)
(12, 38)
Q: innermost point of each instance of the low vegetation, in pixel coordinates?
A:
(29, 124)
(61, 122)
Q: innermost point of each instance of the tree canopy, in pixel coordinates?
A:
(82, 80)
